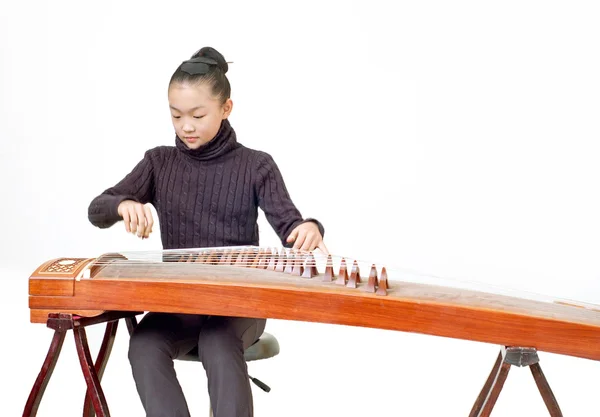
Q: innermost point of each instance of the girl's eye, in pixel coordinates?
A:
(176, 117)
(198, 117)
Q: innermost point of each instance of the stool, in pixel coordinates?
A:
(265, 347)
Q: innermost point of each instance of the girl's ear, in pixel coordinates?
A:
(227, 107)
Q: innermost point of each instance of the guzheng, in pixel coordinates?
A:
(292, 285)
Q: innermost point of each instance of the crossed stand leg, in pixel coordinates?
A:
(513, 356)
(95, 402)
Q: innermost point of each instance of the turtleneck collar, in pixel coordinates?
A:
(224, 142)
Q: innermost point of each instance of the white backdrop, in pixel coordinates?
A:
(454, 138)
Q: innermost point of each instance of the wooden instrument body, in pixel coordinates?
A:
(253, 289)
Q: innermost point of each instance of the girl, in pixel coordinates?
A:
(206, 190)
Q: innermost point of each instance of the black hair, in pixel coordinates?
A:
(214, 76)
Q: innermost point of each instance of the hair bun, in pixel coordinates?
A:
(209, 52)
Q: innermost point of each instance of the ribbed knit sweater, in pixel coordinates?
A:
(205, 197)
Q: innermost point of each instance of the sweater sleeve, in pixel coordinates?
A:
(138, 185)
(275, 201)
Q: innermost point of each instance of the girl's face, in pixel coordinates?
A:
(196, 114)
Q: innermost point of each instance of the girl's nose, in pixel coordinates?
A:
(188, 128)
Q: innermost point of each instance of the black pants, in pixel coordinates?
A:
(160, 338)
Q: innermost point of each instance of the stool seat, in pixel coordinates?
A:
(265, 347)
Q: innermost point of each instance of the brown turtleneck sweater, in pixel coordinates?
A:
(205, 197)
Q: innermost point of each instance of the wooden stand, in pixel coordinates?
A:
(513, 356)
(95, 403)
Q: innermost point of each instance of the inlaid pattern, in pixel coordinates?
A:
(63, 266)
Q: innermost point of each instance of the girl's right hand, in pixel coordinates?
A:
(137, 218)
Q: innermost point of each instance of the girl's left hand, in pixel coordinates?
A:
(307, 237)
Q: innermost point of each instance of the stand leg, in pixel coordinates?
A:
(545, 391)
(491, 390)
(131, 324)
(480, 401)
(37, 392)
(89, 372)
(513, 356)
(101, 361)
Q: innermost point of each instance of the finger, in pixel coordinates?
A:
(133, 219)
(299, 240)
(293, 236)
(149, 220)
(126, 220)
(322, 247)
(309, 244)
(141, 216)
